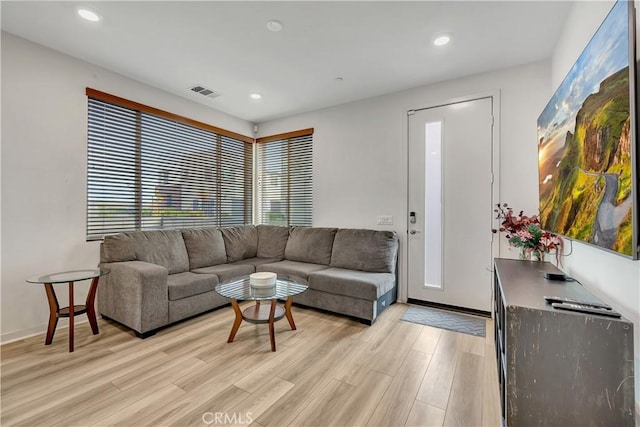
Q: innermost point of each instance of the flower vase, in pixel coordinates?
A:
(531, 254)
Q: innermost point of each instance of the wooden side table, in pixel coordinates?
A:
(55, 312)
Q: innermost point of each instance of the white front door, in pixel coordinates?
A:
(450, 204)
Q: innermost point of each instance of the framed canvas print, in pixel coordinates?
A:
(587, 143)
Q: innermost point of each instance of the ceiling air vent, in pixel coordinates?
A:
(204, 91)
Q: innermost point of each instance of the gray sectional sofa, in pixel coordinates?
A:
(160, 277)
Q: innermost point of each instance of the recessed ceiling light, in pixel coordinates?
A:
(255, 95)
(339, 79)
(441, 39)
(275, 26)
(88, 14)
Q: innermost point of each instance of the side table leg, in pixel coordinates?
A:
(53, 313)
(287, 312)
(71, 317)
(91, 305)
(272, 332)
(237, 321)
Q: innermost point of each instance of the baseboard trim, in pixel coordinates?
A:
(456, 308)
(23, 334)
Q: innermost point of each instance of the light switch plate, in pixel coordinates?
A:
(385, 220)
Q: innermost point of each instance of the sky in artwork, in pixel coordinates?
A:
(606, 53)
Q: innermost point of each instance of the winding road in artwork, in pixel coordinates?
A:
(609, 216)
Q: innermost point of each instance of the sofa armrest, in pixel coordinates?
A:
(135, 294)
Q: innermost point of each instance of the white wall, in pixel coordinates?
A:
(44, 116)
(613, 278)
(359, 153)
(359, 163)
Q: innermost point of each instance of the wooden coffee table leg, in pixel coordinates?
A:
(53, 312)
(91, 305)
(287, 312)
(272, 331)
(71, 317)
(237, 321)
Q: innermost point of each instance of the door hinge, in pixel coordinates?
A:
(411, 112)
(492, 121)
(492, 177)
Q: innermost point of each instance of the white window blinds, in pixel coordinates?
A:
(285, 179)
(147, 171)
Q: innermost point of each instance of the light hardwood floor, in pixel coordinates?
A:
(332, 371)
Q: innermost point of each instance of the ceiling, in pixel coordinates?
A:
(375, 47)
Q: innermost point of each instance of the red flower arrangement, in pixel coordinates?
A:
(524, 232)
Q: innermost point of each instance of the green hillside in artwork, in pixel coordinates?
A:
(595, 172)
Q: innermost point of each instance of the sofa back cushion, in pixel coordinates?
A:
(365, 250)
(310, 244)
(119, 247)
(272, 241)
(163, 247)
(205, 247)
(240, 242)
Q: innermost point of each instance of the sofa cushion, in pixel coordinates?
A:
(272, 241)
(240, 242)
(196, 304)
(118, 248)
(358, 284)
(291, 268)
(205, 247)
(365, 250)
(257, 261)
(311, 245)
(163, 247)
(227, 271)
(183, 285)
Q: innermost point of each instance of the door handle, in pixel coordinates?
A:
(413, 231)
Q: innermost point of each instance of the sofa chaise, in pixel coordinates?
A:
(161, 277)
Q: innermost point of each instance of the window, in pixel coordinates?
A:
(149, 169)
(285, 179)
(433, 225)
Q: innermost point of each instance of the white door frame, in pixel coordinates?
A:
(403, 281)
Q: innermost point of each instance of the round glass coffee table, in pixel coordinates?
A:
(240, 289)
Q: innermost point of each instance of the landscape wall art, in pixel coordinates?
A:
(585, 137)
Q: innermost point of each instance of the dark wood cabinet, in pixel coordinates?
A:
(558, 368)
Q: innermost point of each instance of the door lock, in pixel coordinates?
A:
(412, 217)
